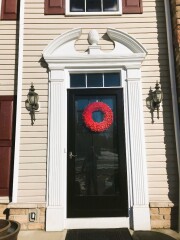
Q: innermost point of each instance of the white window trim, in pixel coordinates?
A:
(69, 13)
(18, 104)
(127, 56)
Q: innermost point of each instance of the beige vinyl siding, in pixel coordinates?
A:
(8, 57)
(149, 29)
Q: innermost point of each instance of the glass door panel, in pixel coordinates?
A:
(97, 184)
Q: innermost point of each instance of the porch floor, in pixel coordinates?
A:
(160, 234)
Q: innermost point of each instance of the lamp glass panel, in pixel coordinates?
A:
(32, 99)
(36, 98)
(159, 96)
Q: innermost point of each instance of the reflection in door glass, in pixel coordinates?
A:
(97, 161)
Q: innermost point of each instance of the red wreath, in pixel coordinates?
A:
(98, 126)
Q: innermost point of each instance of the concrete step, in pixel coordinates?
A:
(165, 234)
(156, 235)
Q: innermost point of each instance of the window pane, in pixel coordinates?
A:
(93, 5)
(94, 80)
(77, 80)
(77, 5)
(111, 79)
(110, 5)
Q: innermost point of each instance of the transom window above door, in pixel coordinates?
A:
(95, 80)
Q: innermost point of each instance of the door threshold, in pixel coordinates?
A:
(89, 223)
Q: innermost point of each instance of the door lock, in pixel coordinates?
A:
(71, 155)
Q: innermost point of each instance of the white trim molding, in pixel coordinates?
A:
(18, 104)
(63, 59)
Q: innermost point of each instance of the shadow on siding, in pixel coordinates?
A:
(167, 115)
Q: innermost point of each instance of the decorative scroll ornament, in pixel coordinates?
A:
(97, 126)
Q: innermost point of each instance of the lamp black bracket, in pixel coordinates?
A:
(31, 103)
(154, 100)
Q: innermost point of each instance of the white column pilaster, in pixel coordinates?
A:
(139, 201)
(56, 154)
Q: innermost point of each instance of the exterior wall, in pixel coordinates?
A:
(163, 215)
(3, 211)
(21, 213)
(8, 57)
(149, 29)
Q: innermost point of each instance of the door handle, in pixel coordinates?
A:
(71, 155)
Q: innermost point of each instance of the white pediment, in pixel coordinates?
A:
(63, 47)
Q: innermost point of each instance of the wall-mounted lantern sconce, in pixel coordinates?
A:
(32, 103)
(154, 100)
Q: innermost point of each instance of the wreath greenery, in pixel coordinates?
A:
(97, 126)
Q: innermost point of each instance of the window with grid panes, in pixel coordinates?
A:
(94, 6)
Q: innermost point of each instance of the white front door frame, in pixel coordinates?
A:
(127, 56)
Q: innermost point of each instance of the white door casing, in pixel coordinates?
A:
(62, 59)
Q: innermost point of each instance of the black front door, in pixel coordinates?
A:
(96, 167)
